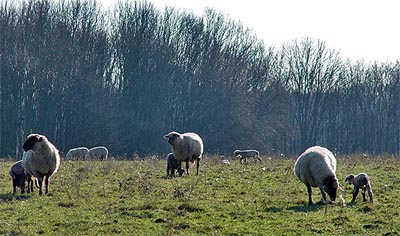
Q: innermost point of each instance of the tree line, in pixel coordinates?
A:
(84, 76)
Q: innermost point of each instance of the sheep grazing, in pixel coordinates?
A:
(244, 154)
(18, 177)
(186, 147)
(316, 167)
(173, 165)
(97, 153)
(78, 153)
(41, 159)
(360, 181)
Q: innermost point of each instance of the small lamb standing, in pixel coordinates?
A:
(186, 147)
(316, 167)
(41, 159)
(244, 154)
(173, 165)
(360, 181)
(78, 153)
(97, 153)
(19, 176)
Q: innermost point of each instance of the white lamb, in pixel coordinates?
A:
(316, 167)
(244, 154)
(186, 147)
(78, 153)
(97, 153)
(41, 159)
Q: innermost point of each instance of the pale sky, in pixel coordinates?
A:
(360, 29)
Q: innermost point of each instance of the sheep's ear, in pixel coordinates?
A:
(166, 136)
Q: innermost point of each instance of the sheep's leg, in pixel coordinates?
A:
(14, 188)
(46, 182)
(187, 167)
(197, 166)
(355, 193)
(370, 195)
(309, 194)
(363, 195)
(40, 179)
(29, 180)
(23, 188)
(323, 196)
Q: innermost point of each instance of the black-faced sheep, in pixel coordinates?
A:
(78, 153)
(316, 167)
(360, 181)
(97, 153)
(244, 154)
(186, 147)
(19, 177)
(173, 165)
(41, 159)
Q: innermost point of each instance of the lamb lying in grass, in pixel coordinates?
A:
(360, 181)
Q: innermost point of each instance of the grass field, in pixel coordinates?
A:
(135, 198)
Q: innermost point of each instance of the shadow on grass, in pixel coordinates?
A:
(306, 208)
(11, 197)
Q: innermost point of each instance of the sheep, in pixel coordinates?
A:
(316, 167)
(360, 181)
(78, 153)
(186, 147)
(224, 160)
(41, 159)
(244, 154)
(97, 153)
(173, 165)
(18, 177)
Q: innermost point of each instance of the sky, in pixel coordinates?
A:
(361, 29)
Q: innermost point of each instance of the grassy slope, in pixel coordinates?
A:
(135, 198)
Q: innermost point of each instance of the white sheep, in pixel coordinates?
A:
(41, 159)
(186, 147)
(244, 154)
(316, 167)
(78, 153)
(173, 165)
(97, 153)
(360, 181)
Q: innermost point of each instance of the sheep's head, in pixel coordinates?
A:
(180, 171)
(349, 179)
(31, 141)
(330, 186)
(236, 152)
(173, 137)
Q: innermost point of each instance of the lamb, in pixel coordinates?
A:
(186, 147)
(360, 181)
(19, 176)
(244, 154)
(224, 160)
(41, 159)
(316, 167)
(78, 153)
(173, 165)
(97, 153)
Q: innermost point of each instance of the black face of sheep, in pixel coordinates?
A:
(30, 141)
(330, 187)
(349, 179)
(171, 137)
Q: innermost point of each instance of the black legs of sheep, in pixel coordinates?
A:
(197, 167)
